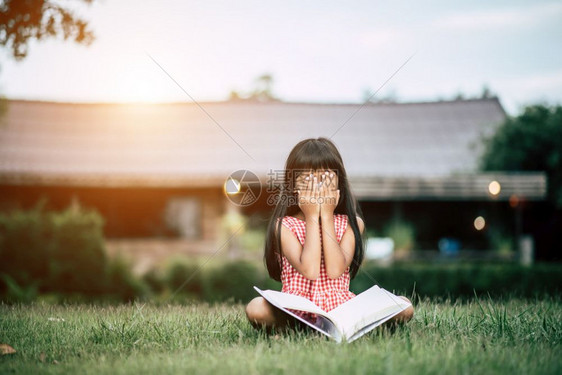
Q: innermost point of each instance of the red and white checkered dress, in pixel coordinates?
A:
(326, 293)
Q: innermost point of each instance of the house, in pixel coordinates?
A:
(157, 170)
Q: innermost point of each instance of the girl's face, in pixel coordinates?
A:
(301, 183)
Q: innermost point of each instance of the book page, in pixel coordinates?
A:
(365, 308)
(370, 327)
(322, 323)
(291, 301)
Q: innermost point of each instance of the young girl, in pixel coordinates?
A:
(315, 203)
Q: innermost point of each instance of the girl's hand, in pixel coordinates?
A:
(309, 201)
(329, 192)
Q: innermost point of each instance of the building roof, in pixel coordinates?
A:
(200, 144)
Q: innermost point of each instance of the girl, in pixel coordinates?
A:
(316, 203)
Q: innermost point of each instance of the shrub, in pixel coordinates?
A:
(252, 240)
(13, 292)
(232, 281)
(155, 280)
(500, 240)
(60, 252)
(461, 280)
(121, 283)
(402, 233)
(183, 276)
(24, 246)
(77, 257)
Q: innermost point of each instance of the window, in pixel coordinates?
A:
(183, 214)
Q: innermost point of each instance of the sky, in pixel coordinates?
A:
(316, 51)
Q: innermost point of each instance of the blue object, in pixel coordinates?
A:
(449, 246)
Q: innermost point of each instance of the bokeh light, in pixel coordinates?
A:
(479, 223)
(513, 200)
(494, 187)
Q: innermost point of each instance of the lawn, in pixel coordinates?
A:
(482, 336)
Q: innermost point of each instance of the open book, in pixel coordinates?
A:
(348, 321)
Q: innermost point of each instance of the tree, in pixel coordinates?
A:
(370, 97)
(531, 141)
(486, 92)
(234, 95)
(23, 20)
(263, 89)
(459, 96)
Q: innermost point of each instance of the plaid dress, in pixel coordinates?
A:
(326, 293)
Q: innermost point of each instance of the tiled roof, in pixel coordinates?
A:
(180, 144)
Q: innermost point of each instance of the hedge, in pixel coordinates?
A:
(60, 252)
(234, 281)
(63, 253)
(462, 280)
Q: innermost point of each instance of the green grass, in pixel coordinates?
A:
(483, 336)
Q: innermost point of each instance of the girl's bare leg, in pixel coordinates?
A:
(401, 318)
(261, 313)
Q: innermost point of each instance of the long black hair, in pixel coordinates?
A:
(311, 154)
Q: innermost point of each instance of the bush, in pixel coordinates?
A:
(77, 257)
(24, 246)
(154, 279)
(63, 252)
(14, 293)
(232, 281)
(60, 252)
(402, 233)
(252, 240)
(501, 241)
(121, 283)
(183, 276)
(183, 279)
(461, 280)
